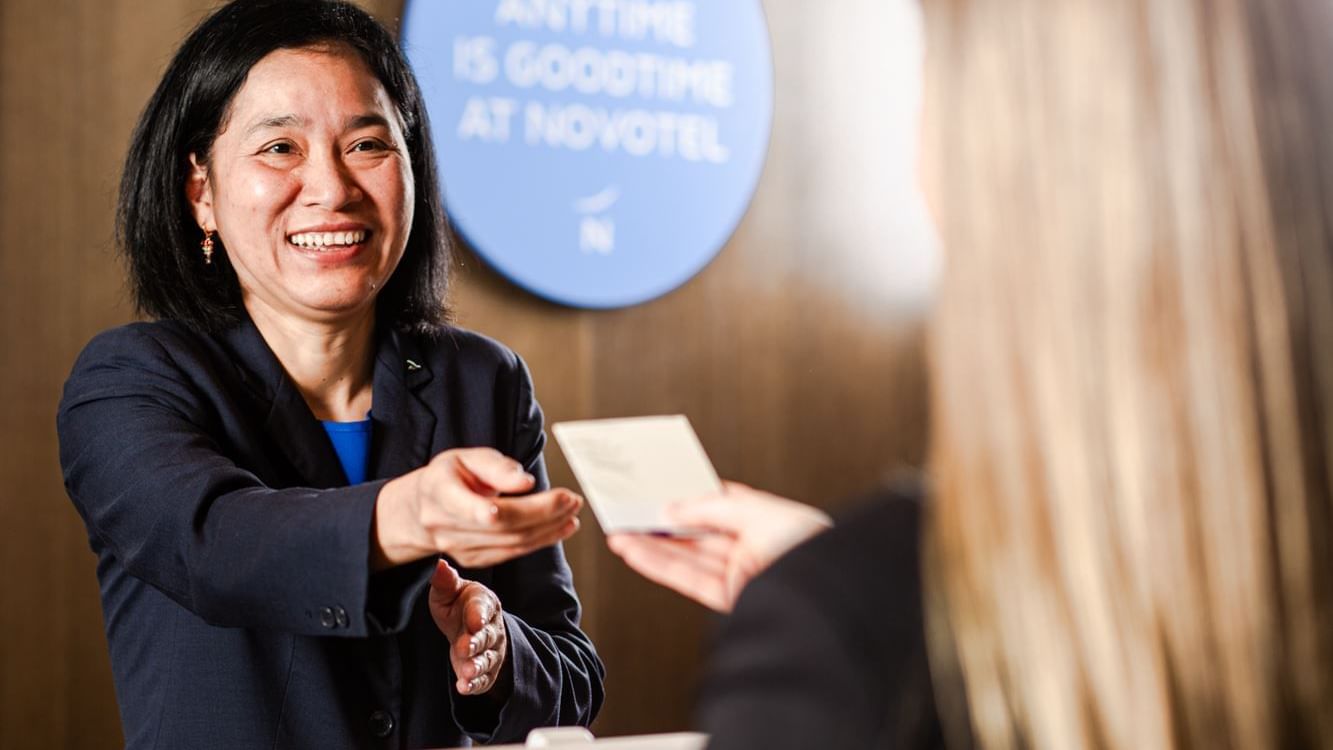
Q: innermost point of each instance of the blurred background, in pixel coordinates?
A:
(797, 354)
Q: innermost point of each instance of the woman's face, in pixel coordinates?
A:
(308, 185)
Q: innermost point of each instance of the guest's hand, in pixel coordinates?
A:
(456, 505)
(746, 530)
(469, 615)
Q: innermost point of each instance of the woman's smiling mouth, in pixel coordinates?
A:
(328, 241)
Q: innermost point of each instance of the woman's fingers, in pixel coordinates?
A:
(480, 665)
(458, 505)
(529, 511)
(680, 565)
(707, 556)
(467, 512)
(477, 685)
(472, 621)
(481, 550)
(764, 524)
(721, 547)
(488, 637)
(488, 471)
(479, 610)
(480, 652)
(471, 541)
(471, 644)
(513, 513)
(737, 508)
(451, 502)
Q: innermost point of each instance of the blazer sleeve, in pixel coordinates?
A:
(782, 675)
(557, 675)
(827, 647)
(155, 489)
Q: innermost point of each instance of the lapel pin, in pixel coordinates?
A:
(412, 366)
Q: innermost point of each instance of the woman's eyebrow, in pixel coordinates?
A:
(356, 122)
(368, 120)
(277, 121)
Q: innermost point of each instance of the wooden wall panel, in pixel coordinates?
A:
(72, 77)
(797, 353)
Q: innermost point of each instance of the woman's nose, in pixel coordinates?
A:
(329, 183)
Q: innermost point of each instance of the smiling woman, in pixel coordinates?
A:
(309, 185)
(281, 221)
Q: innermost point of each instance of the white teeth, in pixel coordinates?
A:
(328, 239)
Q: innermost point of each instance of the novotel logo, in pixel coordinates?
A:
(598, 153)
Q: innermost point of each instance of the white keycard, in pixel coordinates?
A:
(631, 469)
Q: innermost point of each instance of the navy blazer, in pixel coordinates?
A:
(234, 562)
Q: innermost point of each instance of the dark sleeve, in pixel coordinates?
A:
(158, 493)
(827, 647)
(557, 675)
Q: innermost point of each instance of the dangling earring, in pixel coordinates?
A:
(207, 247)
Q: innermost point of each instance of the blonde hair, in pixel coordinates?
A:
(1132, 369)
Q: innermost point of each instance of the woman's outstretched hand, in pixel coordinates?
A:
(744, 531)
(468, 614)
(469, 503)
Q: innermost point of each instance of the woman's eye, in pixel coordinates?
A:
(369, 145)
(278, 148)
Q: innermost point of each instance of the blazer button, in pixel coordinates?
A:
(340, 617)
(381, 723)
(327, 618)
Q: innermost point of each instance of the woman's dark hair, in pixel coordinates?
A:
(155, 225)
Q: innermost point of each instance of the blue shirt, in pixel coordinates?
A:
(351, 441)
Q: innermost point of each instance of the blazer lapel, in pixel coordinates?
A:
(289, 424)
(404, 423)
(302, 439)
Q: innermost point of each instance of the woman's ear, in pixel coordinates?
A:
(199, 192)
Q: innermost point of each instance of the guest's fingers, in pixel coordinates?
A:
(678, 565)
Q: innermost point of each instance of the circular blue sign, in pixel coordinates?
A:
(598, 153)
